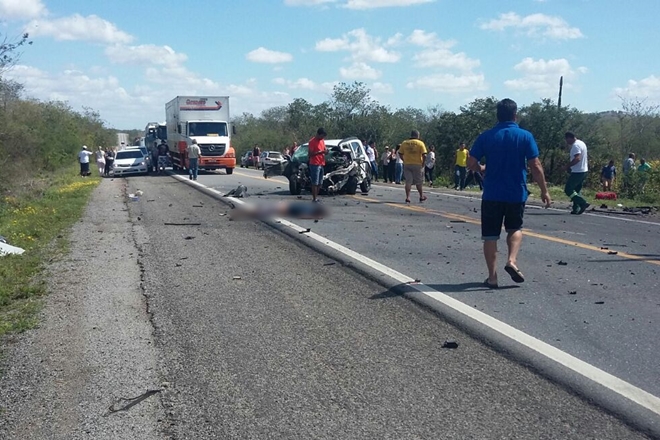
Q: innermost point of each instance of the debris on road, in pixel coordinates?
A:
(236, 278)
(132, 401)
(450, 343)
(239, 192)
(188, 237)
(612, 253)
(181, 224)
(562, 263)
(599, 302)
(573, 292)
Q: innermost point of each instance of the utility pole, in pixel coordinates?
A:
(561, 85)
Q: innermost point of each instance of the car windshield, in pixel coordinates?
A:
(207, 129)
(302, 153)
(275, 155)
(130, 154)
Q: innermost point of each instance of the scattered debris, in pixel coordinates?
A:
(178, 265)
(189, 237)
(239, 192)
(456, 221)
(612, 253)
(573, 292)
(450, 343)
(332, 263)
(236, 277)
(183, 258)
(603, 248)
(197, 206)
(132, 401)
(181, 224)
(562, 263)
(6, 249)
(599, 302)
(305, 231)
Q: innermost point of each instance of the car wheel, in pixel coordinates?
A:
(229, 170)
(365, 186)
(351, 185)
(294, 186)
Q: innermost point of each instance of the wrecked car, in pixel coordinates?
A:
(346, 169)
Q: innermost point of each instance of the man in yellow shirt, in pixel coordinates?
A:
(460, 168)
(413, 152)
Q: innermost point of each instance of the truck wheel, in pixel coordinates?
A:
(294, 186)
(229, 170)
(351, 185)
(365, 186)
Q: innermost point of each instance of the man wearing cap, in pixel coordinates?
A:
(83, 158)
(194, 153)
(317, 161)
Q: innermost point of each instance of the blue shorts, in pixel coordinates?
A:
(316, 174)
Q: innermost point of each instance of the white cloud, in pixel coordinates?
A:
(535, 25)
(383, 88)
(543, 76)
(373, 4)
(359, 71)
(263, 55)
(449, 83)
(647, 88)
(362, 46)
(79, 28)
(144, 54)
(445, 58)
(305, 84)
(21, 9)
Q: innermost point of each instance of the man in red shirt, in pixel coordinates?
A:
(317, 162)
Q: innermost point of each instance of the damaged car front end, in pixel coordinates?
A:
(346, 168)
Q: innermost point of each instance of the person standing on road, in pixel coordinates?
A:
(413, 152)
(83, 158)
(460, 167)
(100, 160)
(429, 166)
(163, 156)
(385, 159)
(194, 153)
(398, 171)
(607, 176)
(578, 167)
(109, 161)
(508, 150)
(371, 157)
(317, 162)
(256, 152)
(391, 165)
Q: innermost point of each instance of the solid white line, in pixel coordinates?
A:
(613, 383)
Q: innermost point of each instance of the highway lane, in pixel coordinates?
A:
(261, 337)
(602, 308)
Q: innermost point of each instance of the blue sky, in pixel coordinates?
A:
(126, 59)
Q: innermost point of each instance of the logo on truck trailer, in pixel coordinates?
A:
(200, 104)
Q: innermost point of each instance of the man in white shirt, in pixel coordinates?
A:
(578, 166)
(83, 158)
(429, 166)
(194, 153)
(371, 156)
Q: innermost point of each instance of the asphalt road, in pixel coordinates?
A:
(599, 307)
(260, 337)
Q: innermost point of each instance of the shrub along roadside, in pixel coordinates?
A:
(36, 221)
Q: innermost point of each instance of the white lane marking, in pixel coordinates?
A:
(619, 386)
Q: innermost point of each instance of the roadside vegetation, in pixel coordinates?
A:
(41, 192)
(351, 111)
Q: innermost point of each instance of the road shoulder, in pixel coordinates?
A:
(94, 346)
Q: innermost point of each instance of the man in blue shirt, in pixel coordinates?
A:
(607, 176)
(507, 150)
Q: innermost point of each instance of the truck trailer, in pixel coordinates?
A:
(205, 119)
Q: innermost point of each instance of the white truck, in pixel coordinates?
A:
(206, 119)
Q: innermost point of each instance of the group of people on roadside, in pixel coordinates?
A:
(105, 159)
(608, 173)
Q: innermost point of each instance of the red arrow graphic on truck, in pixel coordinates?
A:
(200, 105)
